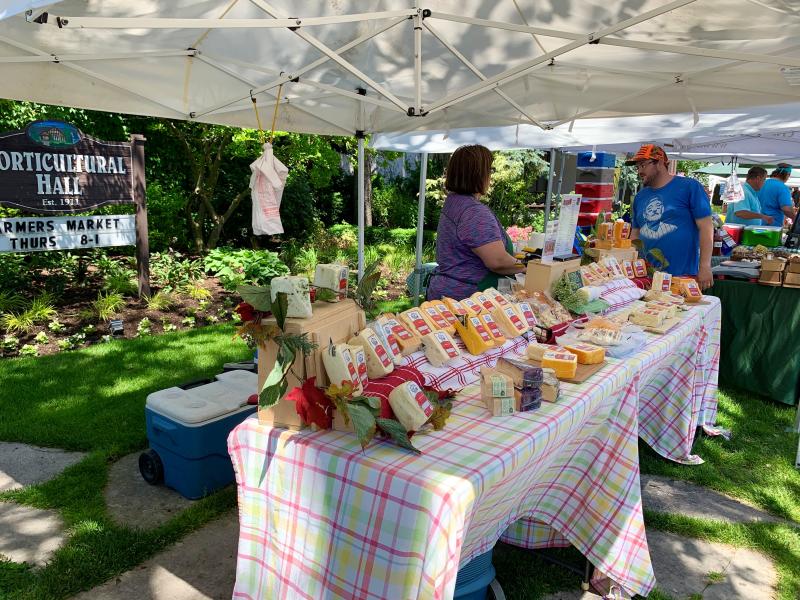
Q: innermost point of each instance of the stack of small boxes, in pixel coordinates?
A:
(595, 183)
(772, 269)
(792, 276)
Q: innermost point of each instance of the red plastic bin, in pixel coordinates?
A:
(595, 190)
(596, 205)
(587, 219)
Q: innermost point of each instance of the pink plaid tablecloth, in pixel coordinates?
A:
(677, 380)
(319, 518)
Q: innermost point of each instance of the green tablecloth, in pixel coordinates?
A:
(760, 345)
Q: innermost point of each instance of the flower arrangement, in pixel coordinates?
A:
(519, 234)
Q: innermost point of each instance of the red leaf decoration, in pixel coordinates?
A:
(311, 404)
(246, 312)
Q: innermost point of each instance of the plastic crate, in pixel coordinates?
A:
(766, 236)
(595, 190)
(598, 175)
(596, 205)
(188, 432)
(601, 159)
(587, 219)
(473, 578)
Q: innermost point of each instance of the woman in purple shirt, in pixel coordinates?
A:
(472, 247)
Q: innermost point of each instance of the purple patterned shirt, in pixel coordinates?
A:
(465, 223)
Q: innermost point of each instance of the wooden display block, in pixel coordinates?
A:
(619, 253)
(771, 278)
(793, 267)
(540, 276)
(773, 264)
(791, 279)
(334, 322)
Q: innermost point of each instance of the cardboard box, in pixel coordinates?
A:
(791, 280)
(619, 253)
(793, 267)
(331, 322)
(540, 276)
(773, 264)
(771, 278)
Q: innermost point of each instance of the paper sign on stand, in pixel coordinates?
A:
(567, 222)
(550, 242)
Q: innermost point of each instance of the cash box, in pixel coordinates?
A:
(188, 428)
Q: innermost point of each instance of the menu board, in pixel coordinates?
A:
(567, 221)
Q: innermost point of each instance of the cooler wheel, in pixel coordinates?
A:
(151, 467)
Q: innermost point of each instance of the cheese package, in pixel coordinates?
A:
(472, 307)
(565, 364)
(474, 335)
(550, 385)
(604, 231)
(588, 276)
(484, 301)
(296, 290)
(446, 313)
(688, 288)
(360, 360)
(530, 398)
(455, 307)
(340, 366)
(497, 392)
(407, 341)
(662, 282)
(627, 267)
(670, 310)
(536, 351)
(640, 267)
(496, 297)
(523, 374)
(509, 322)
(332, 277)
(528, 316)
(619, 225)
(648, 317)
(410, 405)
(440, 348)
(625, 244)
(435, 318)
(588, 354)
(489, 323)
(416, 321)
(626, 230)
(384, 332)
(601, 337)
(379, 361)
(612, 266)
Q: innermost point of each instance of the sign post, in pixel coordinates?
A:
(140, 199)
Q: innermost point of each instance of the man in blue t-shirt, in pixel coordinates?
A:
(748, 210)
(672, 214)
(775, 197)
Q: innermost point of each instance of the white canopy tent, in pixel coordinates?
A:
(343, 66)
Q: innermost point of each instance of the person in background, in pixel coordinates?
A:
(472, 247)
(796, 198)
(672, 214)
(748, 211)
(775, 197)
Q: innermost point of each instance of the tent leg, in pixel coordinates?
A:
(423, 175)
(360, 207)
(561, 173)
(549, 198)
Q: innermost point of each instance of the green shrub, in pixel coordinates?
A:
(166, 216)
(196, 291)
(107, 305)
(298, 213)
(306, 261)
(162, 300)
(41, 338)
(56, 326)
(13, 272)
(143, 328)
(9, 344)
(392, 207)
(171, 270)
(10, 301)
(237, 267)
(124, 282)
(29, 350)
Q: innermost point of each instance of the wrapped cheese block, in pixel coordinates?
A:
(509, 322)
(601, 337)
(523, 374)
(627, 267)
(472, 307)
(474, 335)
(640, 267)
(384, 332)
(605, 231)
(670, 310)
(612, 266)
(496, 297)
(440, 348)
(688, 288)
(662, 282)
(625, 244)
(435, 318)
(486, 303)
(619, 225)
(379, 361)
(360, 360)
(530, 398)
(332, 277)
(416, 321)
(565, 364)
(455, 307)
(341, 367)
(490, 325)
(536, 351)
(647, 317)
(446, 313)
(526, 310)
(407, 341)
(550, 386)
(296, 289)
(410, 405)
(588, 354)
(497, 392)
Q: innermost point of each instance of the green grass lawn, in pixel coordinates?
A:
(93, 400)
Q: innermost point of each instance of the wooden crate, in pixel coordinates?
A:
(334, 322)
(540, 276)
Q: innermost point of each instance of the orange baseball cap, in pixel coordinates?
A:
(648, 152)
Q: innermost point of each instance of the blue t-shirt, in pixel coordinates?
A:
(750, 202)
(665, 218)
(774, 194)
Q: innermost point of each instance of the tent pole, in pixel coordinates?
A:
(548, 199)
(360, 206)
(561, 173)
(423, 175)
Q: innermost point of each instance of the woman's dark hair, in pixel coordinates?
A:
(783, 171)
(468, 170)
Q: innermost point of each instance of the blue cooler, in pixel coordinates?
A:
(473, 579)
(601, 159)
(188, 432)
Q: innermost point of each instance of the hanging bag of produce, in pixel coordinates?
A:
(266, 186)
(733, 189)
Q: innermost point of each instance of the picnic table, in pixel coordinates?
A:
(321, 518)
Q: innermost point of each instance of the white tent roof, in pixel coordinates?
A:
(478, 64)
